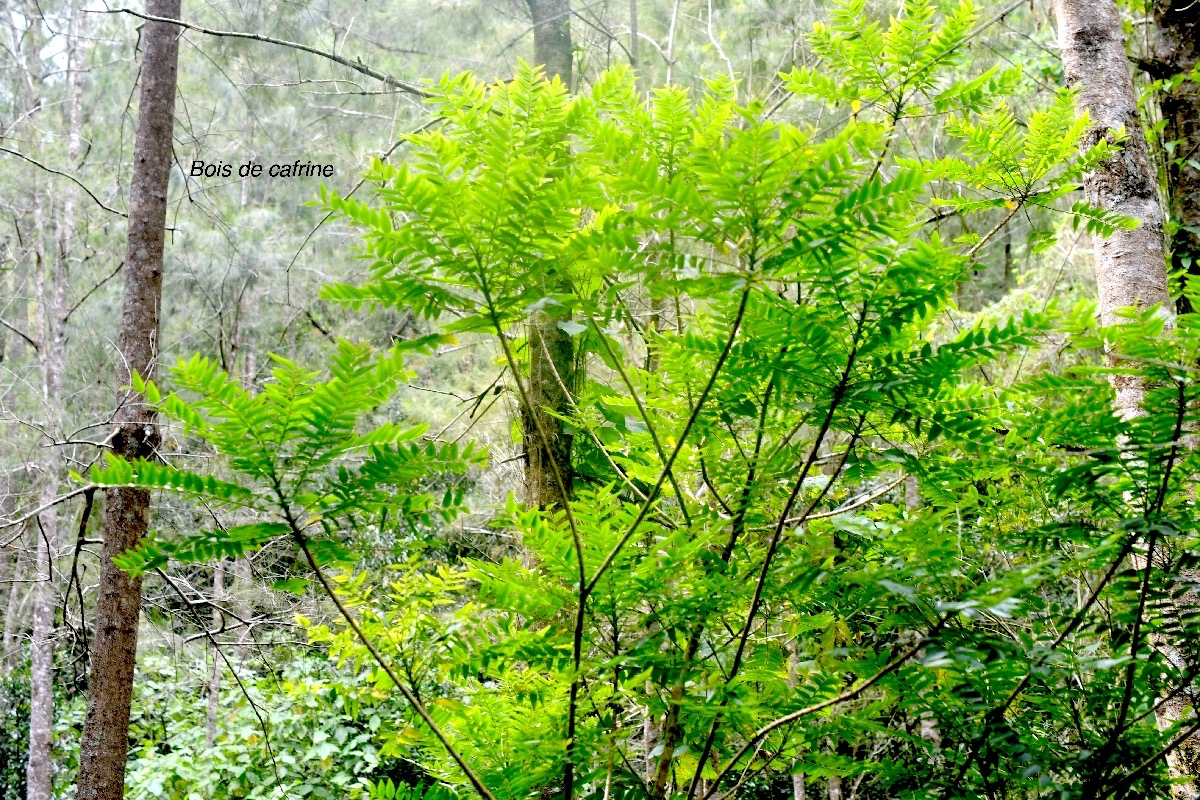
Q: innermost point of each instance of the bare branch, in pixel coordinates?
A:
(68, 176)
(354, 64)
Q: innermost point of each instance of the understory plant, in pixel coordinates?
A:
(808, 533)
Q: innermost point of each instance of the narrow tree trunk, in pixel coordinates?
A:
(26, 49)
(214, 681)
(52, 310)
(1177, 52)
(551, 352)
(1130, 265)
(12, 614)
(243, 581)
(41, 669)
(552, 37)
(792, 679)
(45, 529)
(104, 745)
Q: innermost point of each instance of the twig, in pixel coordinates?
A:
(408, 693)
(22, 334)
(68, 176)
(92, 291)
(857, 504)
(355, 64)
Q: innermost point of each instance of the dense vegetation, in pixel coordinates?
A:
(854, 503)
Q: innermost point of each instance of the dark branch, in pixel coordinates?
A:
(354, 64)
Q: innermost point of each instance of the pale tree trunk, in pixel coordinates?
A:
(214, 681)
(26, 49)
(104, 745)
(41, 667)
(52, 310)
(49, 316)
(551, 352)
(243, 583)
(12, 613)
(10, 566)
(792, 679)
(1130, 264)
(45, 530)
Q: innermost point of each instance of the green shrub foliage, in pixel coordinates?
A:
(744, 585)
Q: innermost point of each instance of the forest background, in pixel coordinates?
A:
(736, 415)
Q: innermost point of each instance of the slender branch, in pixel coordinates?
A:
(852, 506)
(700, 401)
(74, 580)
(92, 291)
(262, 723)
(355, 64)
(769, 557)
(849, 694)
(1137, 771)
(641, 407)
(1058, 640)
(408, 693)
(22, 334)
(66, 175)
(62, 498)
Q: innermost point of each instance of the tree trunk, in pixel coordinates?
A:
(1130, 265)
(104, 746)
(12, 613)
(243, 583)
(1174, 52)
(41, 668)
(214, 681)
(552, 37)
(551, 352)
(792, 679)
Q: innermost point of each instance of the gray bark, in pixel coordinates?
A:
(214, 681)
(41, 668)
(1177, 52)
(1130, 265)
(798, 791)
(104, 746)
(552, 37)
(12, 613)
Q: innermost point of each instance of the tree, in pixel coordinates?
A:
(104, 747)
(552, 377)
(1172, 59)
(1131, 264)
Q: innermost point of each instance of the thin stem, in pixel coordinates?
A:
(654, 492)
(355, 64)
(408, 693)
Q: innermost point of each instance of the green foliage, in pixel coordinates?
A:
(737, 586)
(300, 463)
(291, 732)
(14, 733)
